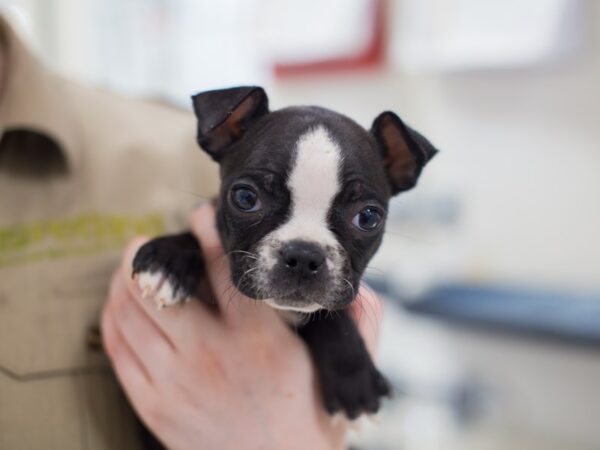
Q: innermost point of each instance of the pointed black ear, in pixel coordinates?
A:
(405, 152)
(225, 114)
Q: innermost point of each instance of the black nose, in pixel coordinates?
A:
(303, 259)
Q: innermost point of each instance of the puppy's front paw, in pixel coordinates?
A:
(157, 287)
(355, 389)
(166, 272)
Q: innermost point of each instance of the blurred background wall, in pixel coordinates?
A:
(510, 93)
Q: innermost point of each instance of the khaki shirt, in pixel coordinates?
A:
(132, 167)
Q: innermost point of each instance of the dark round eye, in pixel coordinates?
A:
(367, 220)
(245, 199)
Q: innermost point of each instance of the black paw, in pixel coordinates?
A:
(355, 389)
(168, 269)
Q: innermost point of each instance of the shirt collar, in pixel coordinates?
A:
(32, 97)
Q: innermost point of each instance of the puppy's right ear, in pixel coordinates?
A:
(225, 114)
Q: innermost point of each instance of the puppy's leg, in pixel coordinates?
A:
(169, 268)
(349, 380)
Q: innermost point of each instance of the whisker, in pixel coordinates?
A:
(188, 191)
(409, 237)
(245, 253)
(351, 287)
(370, 313)
(376, 270)
(246, 273)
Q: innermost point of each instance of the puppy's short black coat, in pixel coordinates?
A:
(300, 213)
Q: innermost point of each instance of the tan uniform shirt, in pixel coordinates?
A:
(132, 167)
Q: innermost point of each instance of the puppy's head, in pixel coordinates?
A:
(304, 193)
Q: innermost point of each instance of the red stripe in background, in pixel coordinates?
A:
(372, 56)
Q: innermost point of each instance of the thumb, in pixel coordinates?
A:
(367, 312)
(234, 306)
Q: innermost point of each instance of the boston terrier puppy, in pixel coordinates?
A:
(300, 213)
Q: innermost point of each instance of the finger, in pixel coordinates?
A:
(129, 369)
(205, 228)
(232, 304)
(367, 312)
(133, 377)
(139, 331)
(177, 323)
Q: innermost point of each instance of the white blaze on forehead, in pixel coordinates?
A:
(313, 184)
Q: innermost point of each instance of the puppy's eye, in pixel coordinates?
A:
(245, 199)
(367, 220)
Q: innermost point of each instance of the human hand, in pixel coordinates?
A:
(205, 379)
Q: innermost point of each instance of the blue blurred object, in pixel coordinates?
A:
(569, 317)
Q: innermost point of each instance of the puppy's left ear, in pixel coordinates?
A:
(225, 114)
(405, 152)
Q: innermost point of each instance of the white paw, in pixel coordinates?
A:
(155, 286)
(338, 419)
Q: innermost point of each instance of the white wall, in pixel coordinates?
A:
(520, 148)
(520, 151)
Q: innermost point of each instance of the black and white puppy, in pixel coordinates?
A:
(301, 211)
